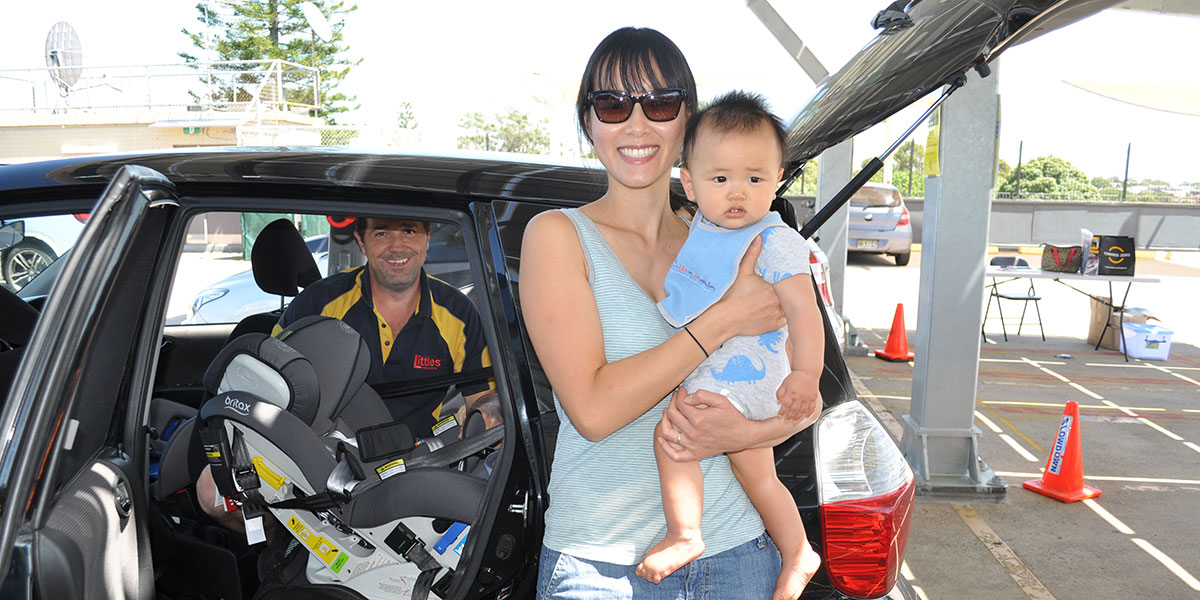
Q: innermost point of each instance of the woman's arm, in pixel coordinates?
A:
(564, 326)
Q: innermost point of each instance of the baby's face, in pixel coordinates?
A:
(732, 176)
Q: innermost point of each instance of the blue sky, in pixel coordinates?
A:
(448, 58)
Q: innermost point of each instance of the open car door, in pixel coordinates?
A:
(72, 464)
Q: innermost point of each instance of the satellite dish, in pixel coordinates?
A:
(316, 21)
(64, 55)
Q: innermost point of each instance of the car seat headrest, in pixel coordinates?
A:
(270, 369)
(339, 356)
(281, 261)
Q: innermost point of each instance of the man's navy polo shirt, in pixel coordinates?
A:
(443, 337)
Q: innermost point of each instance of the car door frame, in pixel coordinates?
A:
(39, 425)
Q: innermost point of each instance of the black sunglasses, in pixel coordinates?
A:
(615, 107)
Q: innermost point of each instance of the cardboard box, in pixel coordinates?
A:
(1112, 338)
(1145, 340)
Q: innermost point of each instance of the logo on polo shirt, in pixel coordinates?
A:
(424, 362)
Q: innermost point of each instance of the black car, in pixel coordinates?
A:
(98, 390)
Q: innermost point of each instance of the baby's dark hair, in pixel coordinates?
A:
(735, 112)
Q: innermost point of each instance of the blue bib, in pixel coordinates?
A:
(706, 266)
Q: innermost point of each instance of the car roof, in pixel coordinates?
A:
(479, 175)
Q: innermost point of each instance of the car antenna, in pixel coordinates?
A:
(872, 167)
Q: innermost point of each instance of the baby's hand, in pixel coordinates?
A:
(798, 396)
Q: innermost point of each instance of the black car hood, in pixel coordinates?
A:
(931, 44)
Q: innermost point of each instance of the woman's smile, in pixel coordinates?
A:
(637, 153)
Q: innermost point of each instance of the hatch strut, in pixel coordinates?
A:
(870, 169)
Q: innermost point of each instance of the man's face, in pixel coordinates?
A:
(395, 251)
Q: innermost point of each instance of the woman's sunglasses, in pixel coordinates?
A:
(615, 107)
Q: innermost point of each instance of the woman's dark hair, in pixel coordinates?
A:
(629, 58)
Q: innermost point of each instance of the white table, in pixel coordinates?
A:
(996, 274)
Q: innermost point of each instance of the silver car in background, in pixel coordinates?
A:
(880, 223)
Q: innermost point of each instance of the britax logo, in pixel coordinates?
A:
(237, 406)
(424, 362)
(1060, 445)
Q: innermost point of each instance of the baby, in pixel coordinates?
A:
(733, 157)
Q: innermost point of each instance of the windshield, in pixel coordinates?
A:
(875, 197)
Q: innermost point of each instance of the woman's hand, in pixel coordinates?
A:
(700, 425)
(751, 305)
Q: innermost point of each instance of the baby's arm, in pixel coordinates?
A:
(799, 394)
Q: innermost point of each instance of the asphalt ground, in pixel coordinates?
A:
(1141, 447)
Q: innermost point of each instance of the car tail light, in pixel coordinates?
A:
(866, 492)
(82, 217)
(819, 275)
(904, 218)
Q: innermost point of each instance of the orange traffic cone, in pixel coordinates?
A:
(1063, 478)
(897, 342)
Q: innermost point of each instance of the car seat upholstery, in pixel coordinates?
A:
(282, 265)
(16, 327)
(283, 433)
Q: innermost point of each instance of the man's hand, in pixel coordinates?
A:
(488, 405)
(799, 398)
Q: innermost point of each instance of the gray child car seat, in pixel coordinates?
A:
(294, 429)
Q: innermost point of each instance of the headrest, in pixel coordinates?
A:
(339, 356)
(19, 318)
(281, 261)
(270, 369)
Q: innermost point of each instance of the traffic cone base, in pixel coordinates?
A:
(1063, 477)
(896, 349)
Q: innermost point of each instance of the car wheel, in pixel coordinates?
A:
(902, 259)
(24, 261)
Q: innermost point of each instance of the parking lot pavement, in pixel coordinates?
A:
(1141, 447)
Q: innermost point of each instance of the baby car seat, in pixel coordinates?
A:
(293, 429)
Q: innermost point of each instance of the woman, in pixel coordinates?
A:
(589, 282)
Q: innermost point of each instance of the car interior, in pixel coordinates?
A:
(318, 428)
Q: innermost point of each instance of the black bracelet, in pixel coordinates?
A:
(689, 332)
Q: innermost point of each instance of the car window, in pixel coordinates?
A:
(46, 238)
(875, 197)
(214, 281)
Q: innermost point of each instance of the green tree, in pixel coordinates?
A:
(1002, 170)
(1154, 182)
(512, 132)
(275, 29)
(1051, 178)
(806, 184)
(405, 117)
(909, 151)
(1101, 183)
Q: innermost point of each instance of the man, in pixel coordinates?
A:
(415, 326)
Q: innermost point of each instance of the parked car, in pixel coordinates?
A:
(880, 223)
(81, 515)
(46, 238)
(238, 296)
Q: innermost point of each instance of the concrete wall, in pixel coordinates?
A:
(1154, 226)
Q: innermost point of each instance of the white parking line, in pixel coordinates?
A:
(1085, 390)
(1107, 516)
(1140, 366)
(1017, 360)
(1120, 408)
(1167, 562)
(1008, 559)
(988, 422)
(1160, 429)
(1192, 446)
(1016, 474)
(1027, 455)
(1060, 405)
(907, 574)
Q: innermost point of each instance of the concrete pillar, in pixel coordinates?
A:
(940, 440)
(835, 172)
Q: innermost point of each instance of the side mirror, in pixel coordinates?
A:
(11, 234)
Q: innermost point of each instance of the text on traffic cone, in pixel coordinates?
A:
(1063, 478)
(897, 342)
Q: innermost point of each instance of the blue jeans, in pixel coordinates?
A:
(744, 572)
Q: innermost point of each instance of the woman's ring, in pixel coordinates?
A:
(679, 438)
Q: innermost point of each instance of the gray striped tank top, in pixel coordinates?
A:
(605, 502)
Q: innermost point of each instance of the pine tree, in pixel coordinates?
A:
(273, 29)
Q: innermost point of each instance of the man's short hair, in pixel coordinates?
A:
(360, 223)
(735, 112)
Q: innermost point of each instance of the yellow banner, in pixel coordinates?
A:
(932, 166)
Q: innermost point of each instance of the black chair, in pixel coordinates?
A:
(1028, 296)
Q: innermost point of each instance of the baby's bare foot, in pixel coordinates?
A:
(668, 555)
(796, 572)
